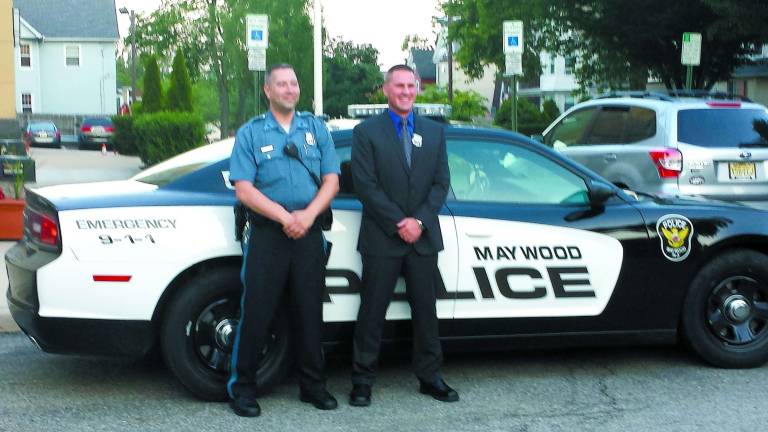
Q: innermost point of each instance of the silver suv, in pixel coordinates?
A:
(670, 146)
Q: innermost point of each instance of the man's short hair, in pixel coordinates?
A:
(399, 67)
(274, 67)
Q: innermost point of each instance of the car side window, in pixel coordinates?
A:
(641, 124)
(493, 171)
(346, 188)
(571, 129)
(608, 126)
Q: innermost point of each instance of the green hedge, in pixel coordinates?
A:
(162, 135)
(125, 139)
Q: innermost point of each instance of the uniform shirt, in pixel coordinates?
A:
(258, 157)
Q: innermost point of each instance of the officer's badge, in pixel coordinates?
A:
(416, 140)
(310, 138)
(675, 233)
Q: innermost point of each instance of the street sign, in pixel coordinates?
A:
(691, 52)
(513, 63)
(257, 59)
(513, 36)
(256, 31)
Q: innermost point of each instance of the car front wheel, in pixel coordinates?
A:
(725, 314)
(198, 333)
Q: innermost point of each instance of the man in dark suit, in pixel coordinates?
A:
(400, 172)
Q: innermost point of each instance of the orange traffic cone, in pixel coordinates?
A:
(103, 149)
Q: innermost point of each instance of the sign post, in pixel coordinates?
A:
(513, 53)
(690, 55)
(257, 40)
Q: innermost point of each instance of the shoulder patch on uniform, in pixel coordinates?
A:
(675, 233)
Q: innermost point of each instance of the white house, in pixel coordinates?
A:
(557, 82)
(65, 61)
(484, 85)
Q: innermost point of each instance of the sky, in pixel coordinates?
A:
(383, 24)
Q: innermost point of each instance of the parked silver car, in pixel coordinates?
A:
(666, 145)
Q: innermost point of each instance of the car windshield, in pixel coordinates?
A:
(37, 127)
(723, 127)
(185, 163)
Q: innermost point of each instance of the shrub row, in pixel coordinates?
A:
(158, 136)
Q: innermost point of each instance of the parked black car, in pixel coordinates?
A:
(95, 131)
(41, 133)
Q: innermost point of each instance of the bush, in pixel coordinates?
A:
(529, 119)
(152, 98)
(125, 140)
(162, 135)
(550, 110)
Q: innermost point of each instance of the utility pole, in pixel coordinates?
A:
(124, 10)
(318, 58)
(450, 62)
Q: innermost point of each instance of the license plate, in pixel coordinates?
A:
(741, 170)
(100, 140)
(97, 129)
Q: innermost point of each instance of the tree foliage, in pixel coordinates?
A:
(152, 98)
(180, 89)
(211, 33)
(351, 75)
(466, 106)
(617, 43)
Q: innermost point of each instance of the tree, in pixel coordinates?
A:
(351, 75)
(152, 98)
(618, 44)
(467, 105)
(211, 33)
(180, 88)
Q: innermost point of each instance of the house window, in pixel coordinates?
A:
(552, 64)
(26, 56)
(73, 55)
(570, 61)
(26, 102)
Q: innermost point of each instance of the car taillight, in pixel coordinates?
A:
(109, 128)
(669, 162)
(85, 128)
(42, 229)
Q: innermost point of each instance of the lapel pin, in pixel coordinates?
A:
(416, 140)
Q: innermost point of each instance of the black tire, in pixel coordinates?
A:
(725, 313)
(197, 353)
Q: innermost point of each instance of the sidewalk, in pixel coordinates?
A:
(6, 322)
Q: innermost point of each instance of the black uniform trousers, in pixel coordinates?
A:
(272, 264)
(380, 275)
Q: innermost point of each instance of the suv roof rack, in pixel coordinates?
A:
(670, 95)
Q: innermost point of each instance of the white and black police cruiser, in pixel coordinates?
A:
(538, 252)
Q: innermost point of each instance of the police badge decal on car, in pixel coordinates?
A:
(675, 233)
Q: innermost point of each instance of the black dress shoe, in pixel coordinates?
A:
(439, 390)
(321, 399)
(245, 407)
(360, 395)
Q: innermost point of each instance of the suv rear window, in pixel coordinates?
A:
(718, 127)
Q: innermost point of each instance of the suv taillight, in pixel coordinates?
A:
(42, 228)
(85, 128)
(668, 161)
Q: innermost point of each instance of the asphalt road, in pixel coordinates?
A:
(596, 389)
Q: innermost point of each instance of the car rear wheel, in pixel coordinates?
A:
(725, 314)
(198, 333)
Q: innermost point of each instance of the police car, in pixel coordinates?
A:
(538, 251)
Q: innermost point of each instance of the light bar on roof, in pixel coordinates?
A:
(423, 109)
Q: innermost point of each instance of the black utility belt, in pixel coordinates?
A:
(242, 214)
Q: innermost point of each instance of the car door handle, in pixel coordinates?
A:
(478, 234)
(610, 157)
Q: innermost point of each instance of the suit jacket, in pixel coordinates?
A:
(391, 191)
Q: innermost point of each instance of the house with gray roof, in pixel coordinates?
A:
(65, 59)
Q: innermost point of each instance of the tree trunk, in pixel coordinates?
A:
(219, 69)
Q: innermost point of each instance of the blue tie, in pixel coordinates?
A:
(405, 138)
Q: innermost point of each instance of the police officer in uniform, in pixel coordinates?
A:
(283, 249)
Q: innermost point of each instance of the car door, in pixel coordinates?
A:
(532, 245)
(345, 267)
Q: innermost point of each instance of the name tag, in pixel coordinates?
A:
(267, 148)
